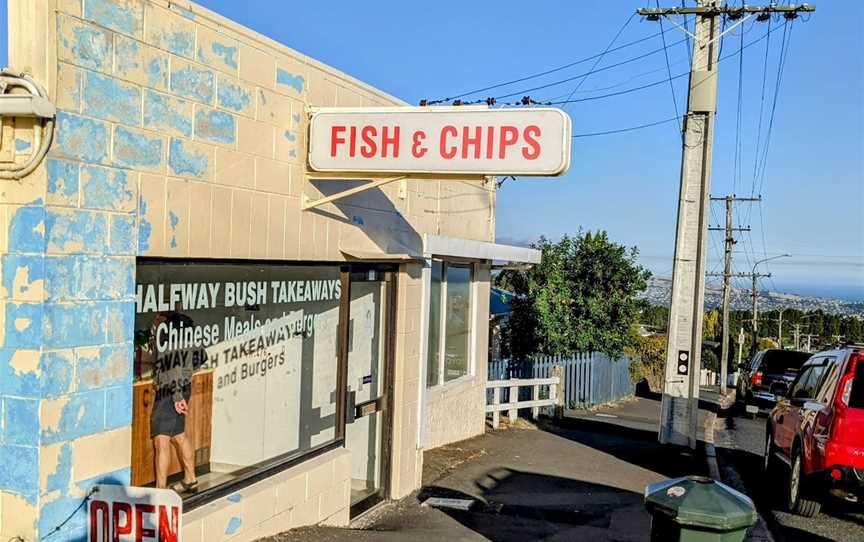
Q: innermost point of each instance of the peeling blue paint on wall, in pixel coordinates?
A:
(33, 267)
(125, 16)
(145, 229)
(118, 406)
(111, 99)
(22, 421)
(227, 53)
(289, 135)
(216, 126)
(62, 182)
(122, 234)
(233, 525)
(88, 278)
(186, 162)
(22, 145)
(109, 189)
(297, 82)
(235, 497)
(74, 324)
(166, 112)
(182, 11)
(128, 56)
(20, 472)
(82, 138)
(193, 83)
(232, 96)
(76, 231)
(111, 366)
(173, 221)
(27, 230)
(121, 321)
(297, 118)
(24, 325)
(90, 47)
(157, 72)
(60, 479)
(133, 149)
(56, 368)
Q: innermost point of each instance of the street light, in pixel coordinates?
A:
(755, 277)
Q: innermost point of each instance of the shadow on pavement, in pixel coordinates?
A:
(635, 446)
(516, 505)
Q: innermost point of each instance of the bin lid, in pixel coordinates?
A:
(701, 502)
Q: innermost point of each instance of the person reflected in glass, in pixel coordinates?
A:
(172, 376)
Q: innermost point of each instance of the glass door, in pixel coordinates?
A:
(368, 410)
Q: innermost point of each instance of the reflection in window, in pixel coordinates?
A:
(235, 367)
(458, 326)
(450, 331)
(433, 369)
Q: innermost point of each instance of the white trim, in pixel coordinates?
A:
(426, 289)
(454, 247)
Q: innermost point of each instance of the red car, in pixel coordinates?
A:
(817, 430)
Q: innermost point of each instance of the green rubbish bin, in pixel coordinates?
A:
(697, 509)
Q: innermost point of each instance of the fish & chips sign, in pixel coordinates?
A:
(445, 140)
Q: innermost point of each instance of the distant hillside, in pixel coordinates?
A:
(659, 292)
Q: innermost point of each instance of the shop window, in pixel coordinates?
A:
(235, 369)
(450, 322)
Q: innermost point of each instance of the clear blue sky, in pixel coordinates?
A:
(627, 184)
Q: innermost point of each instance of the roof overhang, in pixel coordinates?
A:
(467, 249)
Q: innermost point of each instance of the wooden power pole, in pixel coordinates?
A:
(679, 411)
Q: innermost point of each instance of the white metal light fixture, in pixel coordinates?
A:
(35, 104)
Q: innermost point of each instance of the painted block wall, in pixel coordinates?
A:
(179, 134)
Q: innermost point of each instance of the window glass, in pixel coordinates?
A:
(433, 369)
(799, 388)
(235, 367)
(458, 322)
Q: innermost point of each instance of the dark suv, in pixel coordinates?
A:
(766, 367)
(817, 430)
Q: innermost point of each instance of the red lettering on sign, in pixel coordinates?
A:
(140, 531)
(352, 145)
(490, 142)
(467, 141)
(169, 528)
(98, 507)
(391, 141)
(369, 147)
(118, 527)
(451, 131)
(509, 137)
(529, 134)
(335, 140)
(417, 149)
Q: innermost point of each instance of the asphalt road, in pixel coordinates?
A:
(740, 443)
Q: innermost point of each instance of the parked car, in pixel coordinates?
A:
(765, 368)
(817, 430)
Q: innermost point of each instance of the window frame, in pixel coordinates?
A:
(442, 323)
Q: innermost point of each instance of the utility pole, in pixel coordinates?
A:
(740, 345)
(797, 336)
(755, 294)
(679, 411)
(780, 330)
(727, 286)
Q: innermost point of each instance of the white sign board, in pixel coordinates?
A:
(446, 140)
(133, 514)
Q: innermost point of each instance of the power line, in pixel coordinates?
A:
(629, 129)
(552, 70)
(600, 58)
(669, 71)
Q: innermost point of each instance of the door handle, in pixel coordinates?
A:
(351, 407)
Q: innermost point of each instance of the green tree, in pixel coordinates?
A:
(648, 361)
(580, 298)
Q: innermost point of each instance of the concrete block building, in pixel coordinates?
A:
(320, 349)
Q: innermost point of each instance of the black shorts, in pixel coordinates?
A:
(165, 420)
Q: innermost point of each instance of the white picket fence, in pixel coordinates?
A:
(514, 403)
(711, 378)
(589, 379)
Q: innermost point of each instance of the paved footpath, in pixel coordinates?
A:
(580, 479)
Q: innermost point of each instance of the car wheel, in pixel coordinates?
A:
(798, 501)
